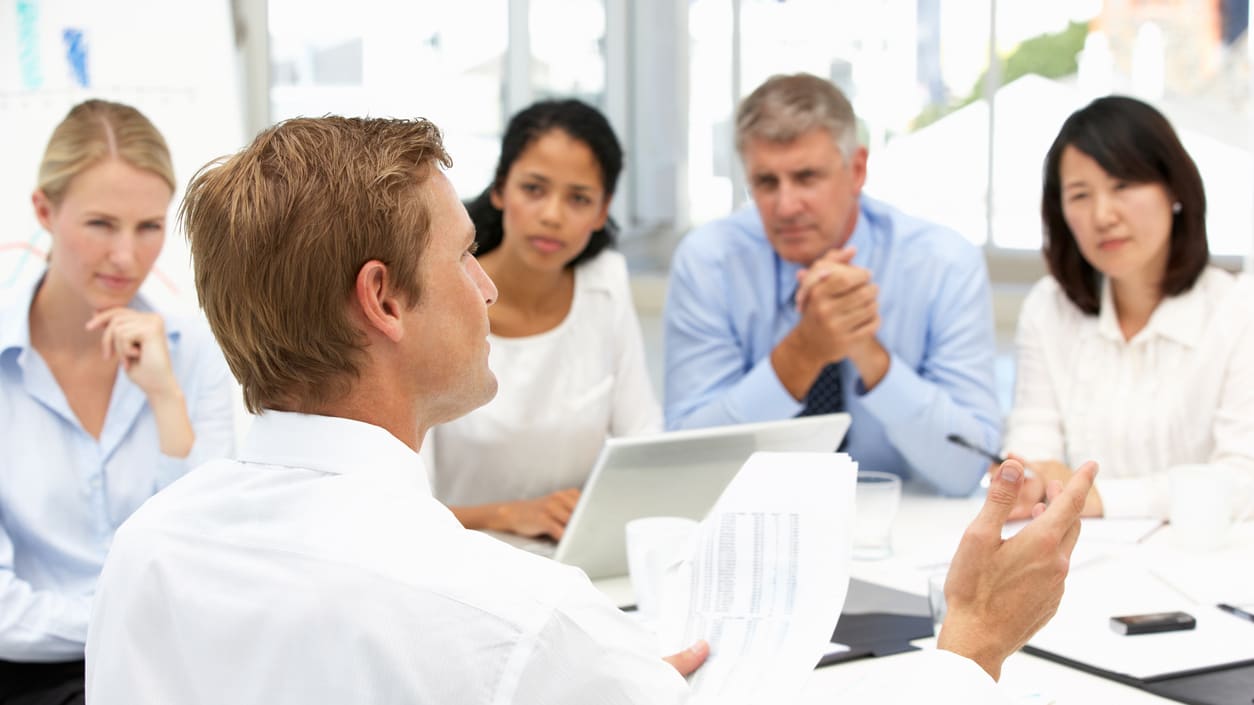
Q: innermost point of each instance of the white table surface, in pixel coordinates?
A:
(926, 532)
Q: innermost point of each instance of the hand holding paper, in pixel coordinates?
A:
(764, 577)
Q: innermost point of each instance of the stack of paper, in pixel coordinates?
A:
(764, 578)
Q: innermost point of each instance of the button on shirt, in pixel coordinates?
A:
(1180, 392)
(63, 492)
(730, 303)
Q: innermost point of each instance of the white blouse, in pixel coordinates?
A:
(560, 394)
(1180, 392)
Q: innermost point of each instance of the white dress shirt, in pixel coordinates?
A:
(318, 569)
(560, 394)
(1181, 391)
(63, 492)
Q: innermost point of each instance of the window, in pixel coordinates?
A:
(917, 72)
(442, 61)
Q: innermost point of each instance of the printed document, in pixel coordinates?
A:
(764, 577)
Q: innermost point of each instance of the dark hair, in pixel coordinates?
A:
(577, 119)
(1133, 141)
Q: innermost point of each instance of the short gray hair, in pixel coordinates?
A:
(786, 107)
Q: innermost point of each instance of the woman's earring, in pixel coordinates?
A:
(1177, 207)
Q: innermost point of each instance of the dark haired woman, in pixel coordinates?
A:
(1135, 352)
(566, 343)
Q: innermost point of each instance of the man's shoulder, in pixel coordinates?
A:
(406, 539)
(176, 500)
(732, 238)
(392, 576)
(921, 241)
(178, 509)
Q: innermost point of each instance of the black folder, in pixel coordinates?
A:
(1227, 684)
(879, 621)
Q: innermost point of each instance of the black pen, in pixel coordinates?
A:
(997, 459)
(1237, 612)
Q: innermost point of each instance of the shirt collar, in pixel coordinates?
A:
(327, 444)
(1179, 318)
(15, 317)
(786, 272)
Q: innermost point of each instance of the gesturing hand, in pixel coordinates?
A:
(137, 340)
(1001, 592)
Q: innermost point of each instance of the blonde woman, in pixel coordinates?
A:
(103, 400)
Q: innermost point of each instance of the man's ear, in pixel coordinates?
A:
(857, 166)
(44, 209)
(379, 304)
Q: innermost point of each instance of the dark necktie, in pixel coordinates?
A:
(824, 396)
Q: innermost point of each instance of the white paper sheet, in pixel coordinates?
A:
(1081, 629)
(764, 578)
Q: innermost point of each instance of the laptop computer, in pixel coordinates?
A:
(680, 473)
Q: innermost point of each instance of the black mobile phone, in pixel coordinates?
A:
(1152, 623)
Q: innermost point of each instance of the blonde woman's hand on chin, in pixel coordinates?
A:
(137, 341)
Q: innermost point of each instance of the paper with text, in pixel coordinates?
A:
(764, 577)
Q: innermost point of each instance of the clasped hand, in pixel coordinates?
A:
(838, 306)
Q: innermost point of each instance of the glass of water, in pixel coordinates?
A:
(876, 502)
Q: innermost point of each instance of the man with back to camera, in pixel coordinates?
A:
(334, 264)
(819, 299)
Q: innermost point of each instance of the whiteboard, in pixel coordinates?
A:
(174, 60)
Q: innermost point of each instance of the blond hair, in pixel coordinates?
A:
(93, 131)
(786, 107)
(278, 233)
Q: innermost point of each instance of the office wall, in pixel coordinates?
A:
(172, 59)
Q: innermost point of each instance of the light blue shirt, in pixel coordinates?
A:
(64, 493)
(730, 303)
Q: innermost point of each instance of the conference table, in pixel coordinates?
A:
(925, 533)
